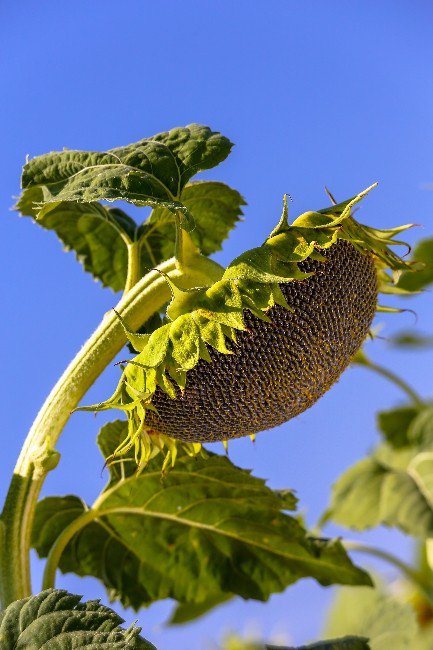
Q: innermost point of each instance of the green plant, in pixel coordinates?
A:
(211, 529)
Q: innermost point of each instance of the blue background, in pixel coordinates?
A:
(312, 93)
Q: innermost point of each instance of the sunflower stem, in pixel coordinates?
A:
(37, 456)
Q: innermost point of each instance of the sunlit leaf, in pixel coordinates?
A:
(152, 171)
(58, 190)
(423, 252)
(152, 324)
(205, 528)
(423, 640)
(215, 209)
(387, 622)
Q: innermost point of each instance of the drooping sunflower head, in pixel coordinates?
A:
(263, 342)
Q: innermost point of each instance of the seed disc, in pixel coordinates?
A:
(278, 369)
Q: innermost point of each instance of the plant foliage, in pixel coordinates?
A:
(389, 622)
(393, 485)
(347, 643)
(206, 531)
(152, 171)
(422, 253)
(56, 190)
(57, 619)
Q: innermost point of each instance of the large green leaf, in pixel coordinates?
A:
(152, 171)
(61, 190)
(57, 619)
(368, 612)
(423, 252)
(373, 492)
(408, 426)
(206, 528)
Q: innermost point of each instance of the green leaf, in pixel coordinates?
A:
(152, 171)
(346, 643)
(212, 333)
(420, 431)
(152, 324)
(215, 209)
(205, 528)
(411, 339)
(57, 619)
(423, 639)
(97, 234)
(154, 353)
(263, 265)
(233, 642)
(394, 424)
(368, 612)
(423, 252)
(391, 488)
(184, 335)
(408, 426)
(187, 612)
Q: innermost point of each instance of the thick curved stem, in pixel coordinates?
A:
(37, 456)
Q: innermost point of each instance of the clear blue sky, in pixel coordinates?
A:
(314, 92)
